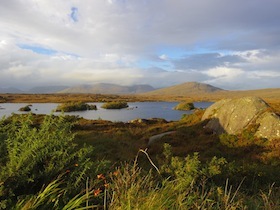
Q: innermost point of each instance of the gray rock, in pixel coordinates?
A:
(235, 115)
(154, 138)
(269, 126)
(148, 121)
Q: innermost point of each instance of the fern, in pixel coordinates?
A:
(36, 155)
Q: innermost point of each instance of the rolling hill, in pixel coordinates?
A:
(46, 89)
(186, 89)
(194, 91)
(10, 90)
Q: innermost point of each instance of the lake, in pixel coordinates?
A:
(136, 110)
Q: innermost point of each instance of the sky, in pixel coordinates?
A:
(231, 44)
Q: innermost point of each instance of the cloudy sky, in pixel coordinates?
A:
(232, 44)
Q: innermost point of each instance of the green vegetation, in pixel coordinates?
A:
(184, 106)
(33, 155)
(65, 162)
(75, 106)
(115, 105)
(25, 109)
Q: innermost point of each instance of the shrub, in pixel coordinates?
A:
(228, 140)
(32, 157)
(186, 171)
(187, 187)
(194, 118)
(115, 105)
(184, 106)
(245, 138)
(25, 109)
(75, 106)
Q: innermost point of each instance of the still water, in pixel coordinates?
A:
(136, 110)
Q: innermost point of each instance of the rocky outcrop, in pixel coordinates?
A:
(269, 126)
(235, 115)
(154, 138)
(148, 121)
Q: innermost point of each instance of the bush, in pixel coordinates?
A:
(25, 109)
(194, 118)
(188, 170)
(31, 157)
(184, 106)
(75, 106)
(245, 138)
(115, 105)
(188, 186)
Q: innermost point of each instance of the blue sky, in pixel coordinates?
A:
(38, 49)
(74, 14)
(230, 44)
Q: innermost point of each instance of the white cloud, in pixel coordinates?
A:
(263, 74)
(163, 57)
(230, 78)
(224, 72)
(97, 41)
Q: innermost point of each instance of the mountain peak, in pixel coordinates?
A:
(187, 88)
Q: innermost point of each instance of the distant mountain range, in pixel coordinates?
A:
(10, 90)
(101, 88)
(192, 89)
(105, 88)
(46, 89)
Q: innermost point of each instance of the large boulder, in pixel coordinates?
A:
(235, 115)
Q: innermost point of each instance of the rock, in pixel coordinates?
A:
(138, 121)
(148, 121)
(235, 115)
(154, 138)
(269, 126)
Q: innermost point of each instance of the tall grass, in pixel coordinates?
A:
(130, 187)
(42, 168)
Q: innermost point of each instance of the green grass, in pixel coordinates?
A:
(130, 187)
(70, 163)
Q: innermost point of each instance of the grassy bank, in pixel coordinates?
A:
(67, 162)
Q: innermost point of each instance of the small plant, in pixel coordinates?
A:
(245, 138)
(186, 171)
(115, 105)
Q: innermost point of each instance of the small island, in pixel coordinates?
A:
(115, 105)
(184, 106)
(75, 106)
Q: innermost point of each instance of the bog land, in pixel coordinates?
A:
(271, 96)
(143, 164)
